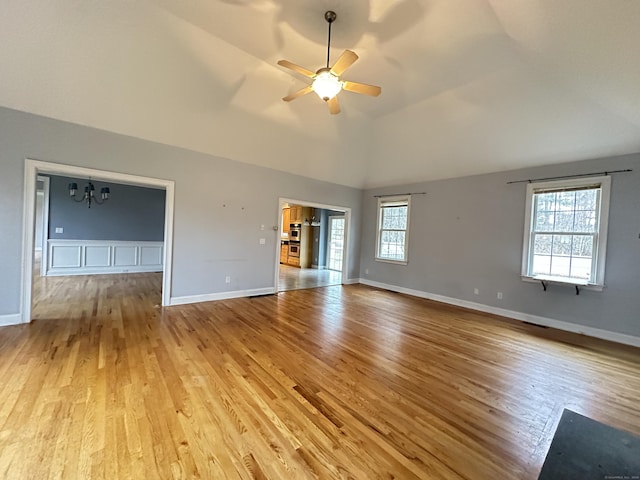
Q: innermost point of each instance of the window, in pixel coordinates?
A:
(566, 231)
(393, 229)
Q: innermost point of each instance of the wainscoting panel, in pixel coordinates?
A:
(150, 255)
(66, 256)
(89, 257)
(97, 256)
(125, 255)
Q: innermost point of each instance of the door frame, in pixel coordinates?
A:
(45, 224)
(330, 218)
(305, 203)
(34, 167)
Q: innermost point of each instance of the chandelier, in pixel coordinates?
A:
(89, 194)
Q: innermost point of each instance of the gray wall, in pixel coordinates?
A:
(467, 233)
(220, 205)
(132, 213)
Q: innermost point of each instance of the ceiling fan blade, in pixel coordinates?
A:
(334, 105)
(299, 93)
(296, 68)
(344, 62)
(361, 88)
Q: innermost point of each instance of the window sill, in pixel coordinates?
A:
(563, 281)
(396, 262)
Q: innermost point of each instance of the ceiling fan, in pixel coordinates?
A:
(326, 80)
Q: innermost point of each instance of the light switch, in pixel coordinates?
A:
(59, 230)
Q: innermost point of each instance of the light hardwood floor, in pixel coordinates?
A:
(336, 382)
(293, 278)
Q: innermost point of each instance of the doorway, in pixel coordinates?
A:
(34, 169)
(314, 224)
(335, 252)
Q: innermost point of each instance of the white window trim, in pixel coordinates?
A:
(397, 198)
(605, 182)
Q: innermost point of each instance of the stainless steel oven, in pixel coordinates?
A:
(295, 233)
(294, 249)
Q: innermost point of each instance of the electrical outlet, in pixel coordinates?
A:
(476, 291)
(499, 295)
(59, 230)
(227, 279)
(261, 227)
(263, 241)
(366, 271)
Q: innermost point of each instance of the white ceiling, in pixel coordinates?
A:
(468, 86)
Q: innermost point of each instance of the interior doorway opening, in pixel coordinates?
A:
(86, 254)
(312, 249)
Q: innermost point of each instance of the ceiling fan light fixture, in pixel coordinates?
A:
(326, 81)
(326, 84)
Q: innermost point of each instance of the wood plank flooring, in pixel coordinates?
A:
(293, 278)
(335, 382)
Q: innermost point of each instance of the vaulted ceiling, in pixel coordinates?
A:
(468, 86)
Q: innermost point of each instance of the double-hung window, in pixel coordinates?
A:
(566, 231)
(393, 229)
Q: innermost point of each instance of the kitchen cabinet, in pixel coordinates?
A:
(286, 221)
(294, 261)
(295, 214)
(284, 252)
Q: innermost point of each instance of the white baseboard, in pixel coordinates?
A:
(524, 317)
(11, 319)
(209, 297)
(351, 281)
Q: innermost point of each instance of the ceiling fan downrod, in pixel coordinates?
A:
(330, 17)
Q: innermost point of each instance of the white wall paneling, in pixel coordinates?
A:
(97, 255)
(87, 257)
(65, 256)
(125, 255)
(150, 255)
